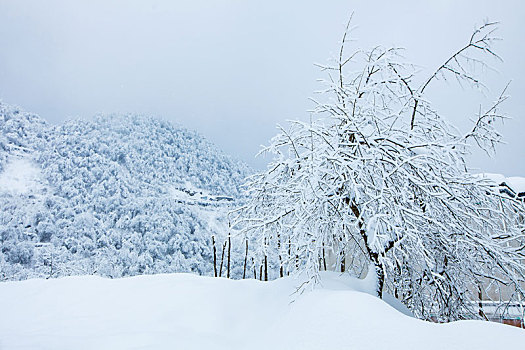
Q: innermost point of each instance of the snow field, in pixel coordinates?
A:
(184, 311)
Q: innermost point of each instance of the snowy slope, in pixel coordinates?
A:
(20, 176)
(183, 311)
(117, 195)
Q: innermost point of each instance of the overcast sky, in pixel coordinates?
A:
(233, 69)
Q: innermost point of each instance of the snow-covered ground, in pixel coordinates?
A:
(183, 311)
(20, 176)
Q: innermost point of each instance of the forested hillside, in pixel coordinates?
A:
(114, 196)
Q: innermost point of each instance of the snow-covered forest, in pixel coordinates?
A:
(114, 196)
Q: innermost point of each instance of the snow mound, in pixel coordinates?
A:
(20, 176)
(183, 311)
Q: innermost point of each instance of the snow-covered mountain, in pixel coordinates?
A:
(116, 195)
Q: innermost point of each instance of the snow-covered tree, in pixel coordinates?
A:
(379, 178)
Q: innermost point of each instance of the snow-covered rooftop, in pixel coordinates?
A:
(513, 186)
(516, 183)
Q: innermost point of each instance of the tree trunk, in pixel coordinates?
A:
(342, 253)
(245, 261)
(480, 296)
(214, 256)
(281, 271)
(265, 268)
(324, 258)
(229, 250)
(374, 256)
(222, 258)
(289, 257)
(380, 273)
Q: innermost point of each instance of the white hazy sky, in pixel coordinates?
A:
(233, 69)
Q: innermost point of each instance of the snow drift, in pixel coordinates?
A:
(184, 311)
